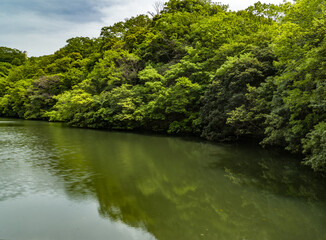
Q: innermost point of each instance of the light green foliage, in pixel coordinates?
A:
(119, 108)
(180, 105)
(302, 28)
(136, 30)
(71, 107)
(298, 102)
(132, 33)
(82, 46)
(176, 25)
(182, 69)
(149, 74)
(12, 102)
(270, 11)
(117, 67)
(204, 7)
(13, 93)
(153, 92)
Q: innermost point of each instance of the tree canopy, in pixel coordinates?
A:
(194, 67)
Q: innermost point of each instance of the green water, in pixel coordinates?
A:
(66, 183)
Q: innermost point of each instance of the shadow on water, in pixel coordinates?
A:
(274, 171)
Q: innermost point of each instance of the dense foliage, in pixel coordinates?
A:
(193, 67)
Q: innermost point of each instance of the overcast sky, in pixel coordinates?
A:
(41, 27)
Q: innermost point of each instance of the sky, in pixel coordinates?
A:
(42, 27)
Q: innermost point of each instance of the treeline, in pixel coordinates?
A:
(193, 67)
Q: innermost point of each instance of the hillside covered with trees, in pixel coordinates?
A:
(192, 67)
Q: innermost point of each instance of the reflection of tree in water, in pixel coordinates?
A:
(36, 149)
(178, 189)
(276, 172)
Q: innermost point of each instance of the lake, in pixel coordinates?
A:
(68, 183)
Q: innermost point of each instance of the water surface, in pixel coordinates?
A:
(67, 183)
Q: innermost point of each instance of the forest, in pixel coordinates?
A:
(192, 67)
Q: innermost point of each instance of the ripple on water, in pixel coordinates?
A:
(17, 175)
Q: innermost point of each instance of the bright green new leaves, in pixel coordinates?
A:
(119, 108)
(71, 107)
(181, 105)
(12, 103)
(149, 74)
(117, 67)
(298, 102)
(199, 7)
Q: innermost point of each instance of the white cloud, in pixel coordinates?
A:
(39, 35)
(38, 44)
(126, 9)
